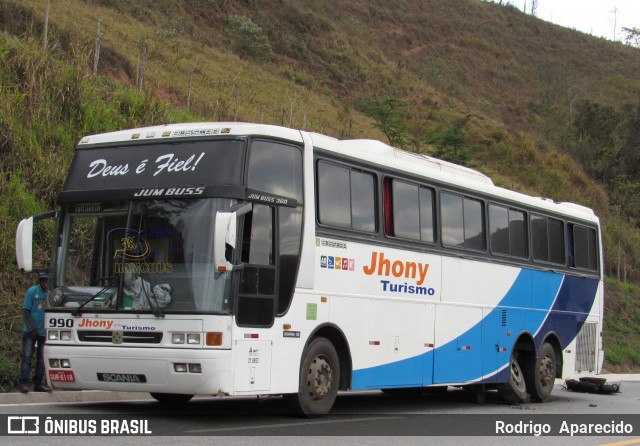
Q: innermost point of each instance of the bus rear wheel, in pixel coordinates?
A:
(515, 390)
(541, 375)
(171, 398)
(319, 380)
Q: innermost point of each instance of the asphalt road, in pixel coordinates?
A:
(370, 418)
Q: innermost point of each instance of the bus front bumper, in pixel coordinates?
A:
(156, 370)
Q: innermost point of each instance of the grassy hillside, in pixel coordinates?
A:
(541, 109)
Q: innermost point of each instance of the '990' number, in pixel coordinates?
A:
(60, 323)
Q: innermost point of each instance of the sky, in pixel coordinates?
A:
(594, 17)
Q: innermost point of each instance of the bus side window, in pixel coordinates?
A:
(582, 247)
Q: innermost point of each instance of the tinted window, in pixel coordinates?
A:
(462, 221)
(584, 248)
(406, 212)
(276, 168)
(452, 219)
(290, 224)
(346, 197)
(518, 233)
(507, 231)
(499, 230)
(363, 201)
(412, 211)
(334, 197)
(427, 233)
(473, 224)
(258, 247)
(556, 240)
(547, 239)
(539, 238)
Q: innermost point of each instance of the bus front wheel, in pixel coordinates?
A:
(318, 382)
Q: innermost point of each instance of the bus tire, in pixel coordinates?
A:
(514, 391)
(542, 373)
(171, 398)
(318, 382)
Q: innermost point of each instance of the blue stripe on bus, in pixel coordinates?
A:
(538, 302)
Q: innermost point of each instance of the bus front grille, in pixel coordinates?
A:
(119, 337)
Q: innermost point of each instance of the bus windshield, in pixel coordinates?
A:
(141, 256)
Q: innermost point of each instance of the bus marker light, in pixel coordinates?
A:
(286, 326)
(323, 299)
(465, 347)
(429, 344)
(374, 342)
(251, 336)
(214, 339)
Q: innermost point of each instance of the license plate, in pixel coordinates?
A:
(62, 376)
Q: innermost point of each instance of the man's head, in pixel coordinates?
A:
(43, 281)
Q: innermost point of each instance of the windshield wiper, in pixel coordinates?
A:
(157, 312)
(77, 311)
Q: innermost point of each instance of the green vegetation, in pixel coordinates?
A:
(622, 326)
(541, 109)
(249, 39)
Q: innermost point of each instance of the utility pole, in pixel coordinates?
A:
(193, 70)
(96, 54)
(46, 25)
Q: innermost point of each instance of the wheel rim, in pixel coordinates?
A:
(319, 378)
(516, 377)
(547, 371)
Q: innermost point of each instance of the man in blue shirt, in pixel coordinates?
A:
(33, 336)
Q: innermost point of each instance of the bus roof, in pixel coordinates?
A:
(372, 151)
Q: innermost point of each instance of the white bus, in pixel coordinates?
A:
(245, 259)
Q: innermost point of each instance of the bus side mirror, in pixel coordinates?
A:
(24, 245)
(224, 238)
(24, 240)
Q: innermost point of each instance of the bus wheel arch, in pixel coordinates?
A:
(339, 341)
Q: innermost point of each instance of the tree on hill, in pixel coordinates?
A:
(633, 36)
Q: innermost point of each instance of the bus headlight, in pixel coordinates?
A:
(53, 335)
(65, 335)
(180, 367)
(177, 338)
(193, 338)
